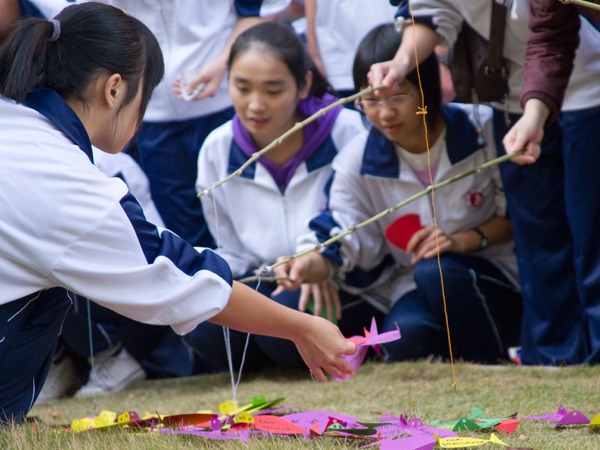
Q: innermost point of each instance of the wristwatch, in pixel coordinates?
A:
(483, 241)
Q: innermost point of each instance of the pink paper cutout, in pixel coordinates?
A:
(416, 428)
(572, 418)
(275, 424)
(399, 232)
(240, 435)
(372, 339)
(309, 419)
(410, 443)
(558, 416)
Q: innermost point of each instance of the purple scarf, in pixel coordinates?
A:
(314, 135)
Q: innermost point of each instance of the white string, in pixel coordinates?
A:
(226, 331)
(91, 380)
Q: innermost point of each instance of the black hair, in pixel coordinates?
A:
(381, 44)
(94, 38)
(281, 40)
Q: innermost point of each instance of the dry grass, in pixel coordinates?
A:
(376, 389)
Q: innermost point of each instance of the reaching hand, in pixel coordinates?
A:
(311, 267)
(388, 73)
(528, 132)
(321, 345)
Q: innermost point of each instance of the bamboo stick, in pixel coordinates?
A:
(296, 127)
(582, 3)
(386, 212)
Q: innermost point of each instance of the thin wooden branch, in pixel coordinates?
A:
(296, 127)
(582, 3)
(387, 212)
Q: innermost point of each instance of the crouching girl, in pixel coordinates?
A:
(377, 171)
(85, 79)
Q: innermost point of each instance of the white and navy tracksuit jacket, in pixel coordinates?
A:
(65, 223)
(191, 33)
(370, 176)
(447, 16)
(252, 220)
(123, 166)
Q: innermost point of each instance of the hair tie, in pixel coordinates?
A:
(56, 32)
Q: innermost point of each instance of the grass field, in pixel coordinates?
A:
(422, 389)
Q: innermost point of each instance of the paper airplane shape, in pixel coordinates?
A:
(564, 418)
(372, 338)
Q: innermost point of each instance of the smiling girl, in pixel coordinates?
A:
(258, 216)
(377, 171)
(85, 79)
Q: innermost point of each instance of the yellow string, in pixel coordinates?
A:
(423, 111)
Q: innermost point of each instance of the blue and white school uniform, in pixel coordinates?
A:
(370, 176)
(255, 220)
(66, 226)
(554, 213)
(191, 33)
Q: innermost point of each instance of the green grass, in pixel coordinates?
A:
(375, 389)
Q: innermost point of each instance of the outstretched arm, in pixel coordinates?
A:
(319, 342)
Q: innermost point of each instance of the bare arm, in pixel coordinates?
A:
(393, 72)
(312, 45)
(319, 342)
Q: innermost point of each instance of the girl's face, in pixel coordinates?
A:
(264, 94)
(394, 113)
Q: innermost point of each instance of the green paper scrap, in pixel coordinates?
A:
(257, 400)
(477, 412)
(465, 424)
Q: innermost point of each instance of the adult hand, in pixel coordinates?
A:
(321, 345)
(211, 76)
(423, 244)
(325, 293)
(528, 132)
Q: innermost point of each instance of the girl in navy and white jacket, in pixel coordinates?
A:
(257, 216)
(84, 79)
(376, 172)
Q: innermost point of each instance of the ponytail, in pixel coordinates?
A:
(23, 59)
(68, 53)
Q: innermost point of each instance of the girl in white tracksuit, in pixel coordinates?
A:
(66, 226)
(257, 216)
(398, 260)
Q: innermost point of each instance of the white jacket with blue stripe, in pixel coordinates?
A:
(252, 220)
(64, 223)
(370, 176)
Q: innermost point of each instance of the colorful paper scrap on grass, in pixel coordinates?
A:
(372, 338)
(566, 418)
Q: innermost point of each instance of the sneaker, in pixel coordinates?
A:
(112, 374)
(62, 379)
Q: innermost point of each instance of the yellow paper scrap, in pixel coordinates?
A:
(458, 442)
(595, 420)
(244, 417)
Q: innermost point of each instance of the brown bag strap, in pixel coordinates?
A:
(496, 41)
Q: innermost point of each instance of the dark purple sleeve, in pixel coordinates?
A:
(550, 53)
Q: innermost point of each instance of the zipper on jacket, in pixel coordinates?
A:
(287, 225)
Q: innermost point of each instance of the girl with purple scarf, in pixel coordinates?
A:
(258, 216)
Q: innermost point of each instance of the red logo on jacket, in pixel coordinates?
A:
(476, 199)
